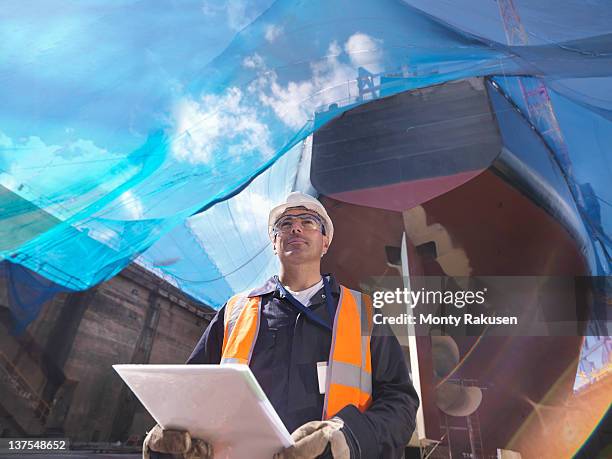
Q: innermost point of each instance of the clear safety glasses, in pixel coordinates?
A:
(308, 222)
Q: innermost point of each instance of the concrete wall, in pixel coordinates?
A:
(56, 378)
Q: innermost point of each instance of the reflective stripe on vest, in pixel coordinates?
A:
(349, 372)
(241, 329)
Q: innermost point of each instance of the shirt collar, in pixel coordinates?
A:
(270, 287)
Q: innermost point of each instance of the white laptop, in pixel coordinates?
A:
(222, 404)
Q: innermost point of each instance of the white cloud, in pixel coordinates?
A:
(364, 51)
(78, 148)
(132, 205)
(250, 210)
(332, 81)
(49, 168)
(334, 49)
(273, 32)
(290, 102)
(232, 122)
(217, 124)
(254, 61)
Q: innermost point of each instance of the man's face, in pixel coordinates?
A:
(299, 243)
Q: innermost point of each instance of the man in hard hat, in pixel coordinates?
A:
(343, 390)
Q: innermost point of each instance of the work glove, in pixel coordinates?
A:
(176, 442)
(314, 437)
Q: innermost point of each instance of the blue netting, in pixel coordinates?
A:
(120, 121)
(26, 293)
(113, 140)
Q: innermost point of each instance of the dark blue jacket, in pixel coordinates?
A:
(284, 361)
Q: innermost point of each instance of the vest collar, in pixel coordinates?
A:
(270, 287)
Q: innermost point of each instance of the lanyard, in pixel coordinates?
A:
(307, 311)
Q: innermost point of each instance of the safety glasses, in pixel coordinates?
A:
(308, 222)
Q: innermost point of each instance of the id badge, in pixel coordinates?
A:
(322, 376)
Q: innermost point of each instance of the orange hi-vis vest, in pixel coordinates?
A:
(349, 368)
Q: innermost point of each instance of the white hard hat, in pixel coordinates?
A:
(297, 199)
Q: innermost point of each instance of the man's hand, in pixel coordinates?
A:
(313, 437)
(175, 442)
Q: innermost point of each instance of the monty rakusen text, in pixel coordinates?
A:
(413, 298)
